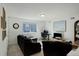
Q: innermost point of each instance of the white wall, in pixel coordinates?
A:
(3, 47)
(41, 25)
(12, 33)
(69, 34)
(53, 12)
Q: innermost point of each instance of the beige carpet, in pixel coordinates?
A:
(14, 50)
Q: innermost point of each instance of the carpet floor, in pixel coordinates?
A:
(14, 50)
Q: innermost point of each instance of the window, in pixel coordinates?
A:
(59, 26)
(33, 27)
(29, 27)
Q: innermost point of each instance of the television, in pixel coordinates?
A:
(57, 35)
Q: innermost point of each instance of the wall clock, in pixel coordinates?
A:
(15, 25)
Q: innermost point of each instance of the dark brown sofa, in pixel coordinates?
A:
(27, 46)
(55, 48)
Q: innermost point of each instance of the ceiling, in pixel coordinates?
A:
(33, 10)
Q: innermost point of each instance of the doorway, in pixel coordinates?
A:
(76, 32)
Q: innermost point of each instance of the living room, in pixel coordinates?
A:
(31, 19)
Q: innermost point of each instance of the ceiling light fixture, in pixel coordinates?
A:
(42, 15)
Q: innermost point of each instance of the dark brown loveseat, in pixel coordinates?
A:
(55, 48)
(27, 47)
